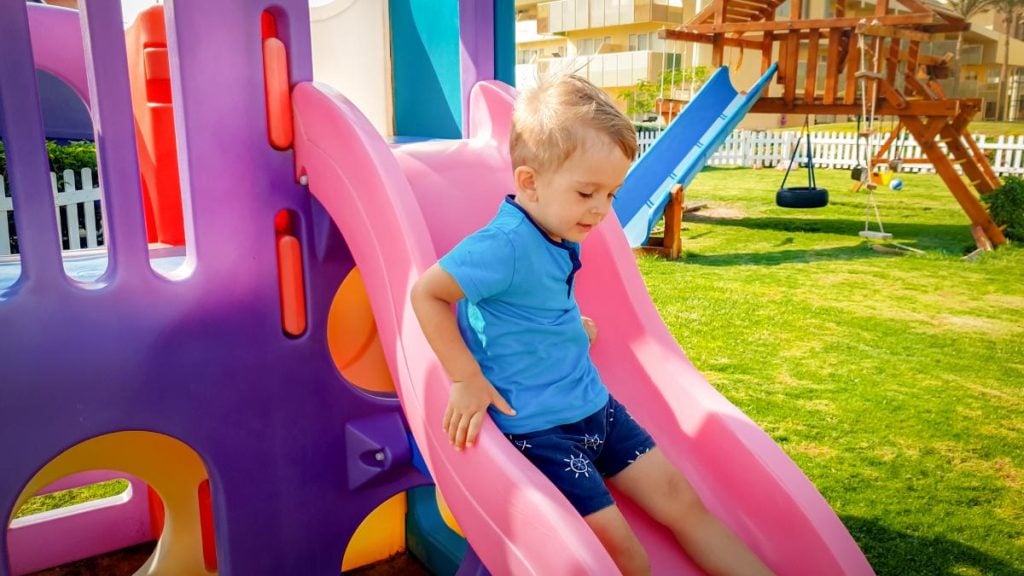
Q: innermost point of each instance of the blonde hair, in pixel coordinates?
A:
(547, 122)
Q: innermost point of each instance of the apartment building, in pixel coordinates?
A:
(981, 63)
(614, 43)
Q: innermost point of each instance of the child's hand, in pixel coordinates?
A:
(467, 406)
(590, 328)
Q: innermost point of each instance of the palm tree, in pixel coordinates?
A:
(966, 9)
(1010, 9)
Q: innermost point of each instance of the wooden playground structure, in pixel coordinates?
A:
(873, 67)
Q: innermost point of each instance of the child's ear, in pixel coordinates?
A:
(526, 182)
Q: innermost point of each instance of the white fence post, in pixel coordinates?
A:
(5, 208)
(72, 198)
(747, 148)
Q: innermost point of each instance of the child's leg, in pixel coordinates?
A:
(565, 455)
(665, 494)
(619, 540)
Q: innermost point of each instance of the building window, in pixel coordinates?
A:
(640, 41)
(589, 46)
(528, 56)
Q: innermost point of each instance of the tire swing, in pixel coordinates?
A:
(809, 196)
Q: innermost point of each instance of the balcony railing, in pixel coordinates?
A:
(617, 69)
(970, 54)
(569, 15)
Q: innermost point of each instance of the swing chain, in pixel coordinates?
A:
(811, 180)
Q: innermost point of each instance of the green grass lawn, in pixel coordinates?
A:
(895, 382)
(991, 129)
(71, 496)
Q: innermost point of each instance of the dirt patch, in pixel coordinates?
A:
(120, 563)
(126, 562)
(716, 213)
(1008, 473)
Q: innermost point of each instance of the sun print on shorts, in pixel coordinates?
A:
(578, 464)
(593, 442)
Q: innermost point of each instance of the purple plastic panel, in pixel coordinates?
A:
(107, 67)
(203, 359)
(476, 40)
(28, 167)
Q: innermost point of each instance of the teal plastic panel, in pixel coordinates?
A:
(426, 68)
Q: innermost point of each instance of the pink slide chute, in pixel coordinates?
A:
(402, 206)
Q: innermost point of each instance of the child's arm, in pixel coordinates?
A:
(590, 328)
(471, 394)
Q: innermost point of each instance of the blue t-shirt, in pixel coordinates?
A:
(521, 321)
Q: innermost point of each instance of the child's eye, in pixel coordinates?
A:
(585, 194)
(612, 196)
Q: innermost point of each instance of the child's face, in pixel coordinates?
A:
(570, 201)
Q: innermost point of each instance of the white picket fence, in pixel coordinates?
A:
(839, 150)
(77, 208)
(84, 232)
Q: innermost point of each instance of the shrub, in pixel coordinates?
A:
(71, 156)
(1006, 205)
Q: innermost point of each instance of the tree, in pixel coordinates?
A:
(1010, 9)
(694, 76)
(966, 9)
(642, 98)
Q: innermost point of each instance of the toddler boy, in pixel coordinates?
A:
(518, 339)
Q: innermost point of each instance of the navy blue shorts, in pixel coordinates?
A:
(577, 457)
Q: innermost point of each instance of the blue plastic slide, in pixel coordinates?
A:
(682, 150)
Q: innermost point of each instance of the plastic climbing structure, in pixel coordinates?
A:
(873, 65)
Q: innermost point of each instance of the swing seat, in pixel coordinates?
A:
(801, 197)
(872, 235)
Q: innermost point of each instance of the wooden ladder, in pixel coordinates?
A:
(962, 151)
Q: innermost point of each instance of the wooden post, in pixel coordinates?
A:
(981, 240)
(767, 44)
(892, 61)
(674, 223)
(811, 77)
(717, 44)
(670, 245)
(852, 66)
(832, 65)
(792, 44)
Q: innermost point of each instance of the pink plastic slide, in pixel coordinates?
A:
(399, 208)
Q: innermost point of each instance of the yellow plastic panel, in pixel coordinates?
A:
(380, 536)
(168, 465)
